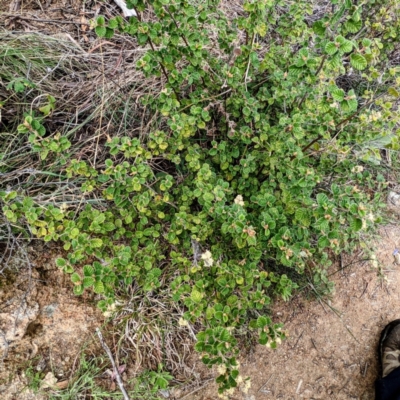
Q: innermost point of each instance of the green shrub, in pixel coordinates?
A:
(262, 157)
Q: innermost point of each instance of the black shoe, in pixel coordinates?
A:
(389, 348)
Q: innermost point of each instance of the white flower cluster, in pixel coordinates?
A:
(207, 258)
(110, 310)
(357, 169)
(239, 200)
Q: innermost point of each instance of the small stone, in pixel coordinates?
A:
(49, 381)
(164, 393)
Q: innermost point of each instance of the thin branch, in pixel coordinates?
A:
(50, 21)
(248, 63)
(116, 372)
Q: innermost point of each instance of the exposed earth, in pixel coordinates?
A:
(42, 324)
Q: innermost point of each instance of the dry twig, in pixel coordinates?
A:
(115, 368)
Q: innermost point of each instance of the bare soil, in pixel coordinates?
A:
(43, 325)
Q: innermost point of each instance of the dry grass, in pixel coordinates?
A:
(97, 92)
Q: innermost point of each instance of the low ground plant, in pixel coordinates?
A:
(262, 156)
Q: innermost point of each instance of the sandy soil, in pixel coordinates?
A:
(43, 325)
(331, 349)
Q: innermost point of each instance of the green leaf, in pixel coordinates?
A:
(101, 31)
(355, 224)
(353, 26)
(346, 46)
(61, 263)
(319, 28)
(88, 281)
(109, 33)
(337, 94)
(98, 287)
(88, 270)
(358, 61)
(322, 199)
(100, 20)
(68, 269)
(366, 42)
(335, 62)
(75, 278)
(113, 23)
(78, 290)
(262, 322)
(96, 242)
(303, 216)
(323, 242)
(393, 92)
(331, 48)
(196, 296)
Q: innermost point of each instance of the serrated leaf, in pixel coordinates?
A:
(303, 217)
(98, 287)
(358, 61)
(295, 71)
(319, 28)
(68, 269)
(88, 270)
(100, 20)
(337, 94)
(88, 281)
(349, 105)
(78, 290)
(331, 48)
(113, 23)
(109, 33)
(323, 242)
(75, 278)
(101, 31)
(224, 335)
(96, 242)
(393, 92)
(262, 322)
(356, 224)
(366, 42)
(303, 52)
(335, 62)
(196, 296)
(61, 263)
(346, 46)
(353, 26)
(322, 199)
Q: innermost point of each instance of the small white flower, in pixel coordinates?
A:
(207, 258)
(221, 369)
(182, 322)
(371, 217)
(239, 200)
(246, 386)
(357, 169)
